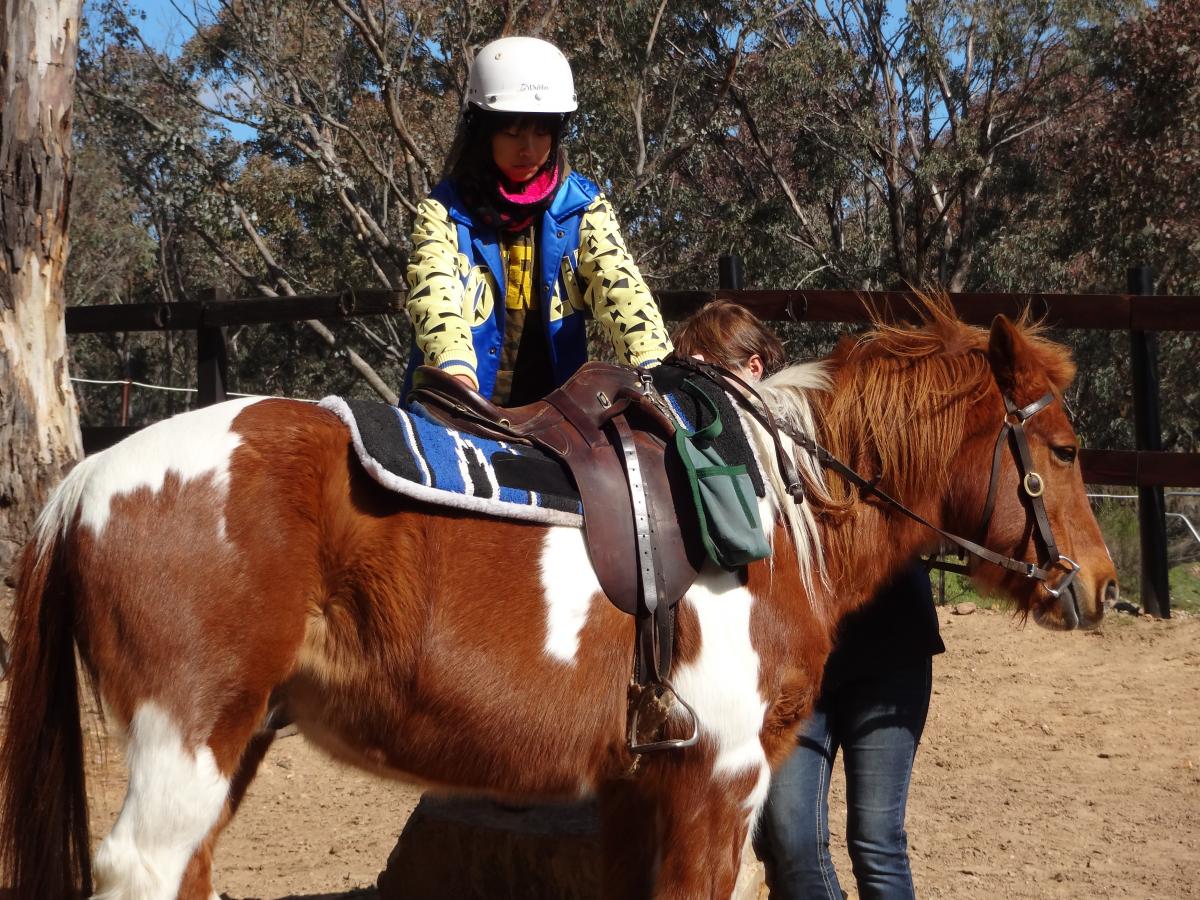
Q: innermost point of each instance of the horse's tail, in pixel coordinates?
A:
(44, 850)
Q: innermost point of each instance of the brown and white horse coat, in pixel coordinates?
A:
(237, 558)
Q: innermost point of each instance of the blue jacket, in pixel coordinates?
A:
(457, 286)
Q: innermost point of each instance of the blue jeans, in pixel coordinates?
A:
(877, 722)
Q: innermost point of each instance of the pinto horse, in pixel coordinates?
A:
(237, 559)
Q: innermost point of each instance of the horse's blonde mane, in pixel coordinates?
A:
(786, 394)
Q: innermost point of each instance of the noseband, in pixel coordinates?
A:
(1032, 485)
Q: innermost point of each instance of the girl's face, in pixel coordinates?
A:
(521, 149)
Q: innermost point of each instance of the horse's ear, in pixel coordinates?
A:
(1005, 345)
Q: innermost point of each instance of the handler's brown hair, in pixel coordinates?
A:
(728, 335)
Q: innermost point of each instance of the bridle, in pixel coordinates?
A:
(1033, 487)
(1012, 427)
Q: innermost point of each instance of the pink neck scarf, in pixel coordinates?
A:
(535, 190)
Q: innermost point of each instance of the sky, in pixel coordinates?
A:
(165, 25)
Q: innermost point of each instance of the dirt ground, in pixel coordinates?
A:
(1052, 766)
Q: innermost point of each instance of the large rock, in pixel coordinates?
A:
(468, 848)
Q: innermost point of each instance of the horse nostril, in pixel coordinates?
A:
(1111, 593)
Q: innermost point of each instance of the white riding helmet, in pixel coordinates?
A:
(521, 75)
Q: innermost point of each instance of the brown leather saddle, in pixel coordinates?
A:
(610, 428)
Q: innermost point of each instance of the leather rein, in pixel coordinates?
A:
(1012, 427)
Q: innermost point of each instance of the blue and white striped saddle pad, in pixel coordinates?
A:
(413, 455)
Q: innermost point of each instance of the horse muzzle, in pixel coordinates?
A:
(1079, 603)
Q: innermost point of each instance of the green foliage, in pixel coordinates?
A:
(1185, 588)
(1108, 184)
(1118, 521)
(950, 588)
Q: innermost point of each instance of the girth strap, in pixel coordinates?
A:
(643, 526)
(654, 632)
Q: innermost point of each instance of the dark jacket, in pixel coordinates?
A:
(899, 625)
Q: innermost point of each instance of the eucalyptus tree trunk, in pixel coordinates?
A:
(39, 419)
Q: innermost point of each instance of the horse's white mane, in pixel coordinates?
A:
(786, 394)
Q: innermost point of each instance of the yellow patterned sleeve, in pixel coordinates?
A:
(437, 301)
(616, 292)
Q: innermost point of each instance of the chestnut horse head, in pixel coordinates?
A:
(968, 428)
(238, 560)
(1030, 372)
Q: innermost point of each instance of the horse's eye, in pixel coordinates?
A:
(1066, 454)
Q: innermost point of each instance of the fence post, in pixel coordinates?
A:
(1152, 518)
(212, 362)
(127, 376)
(729, 272)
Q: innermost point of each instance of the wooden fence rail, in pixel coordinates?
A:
(1106, 312)
(1138, 312)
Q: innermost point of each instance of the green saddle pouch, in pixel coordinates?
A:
(723, 495)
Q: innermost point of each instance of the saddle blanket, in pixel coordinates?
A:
(409, 453)
(413, 455)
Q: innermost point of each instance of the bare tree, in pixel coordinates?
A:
(300, 78)
(895, 125)
(39, 429)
